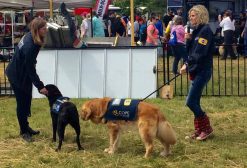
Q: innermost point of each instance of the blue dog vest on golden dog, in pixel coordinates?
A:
(58, 103)
(122, 109)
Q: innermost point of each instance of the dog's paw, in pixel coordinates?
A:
(165, 153)
(110, 152)
(57, 150)
(146, 156)
(107, 150)
(80, 148)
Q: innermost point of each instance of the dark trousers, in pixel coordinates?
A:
(179, 51)
(245, 45)
(23, 109)
(228, 41)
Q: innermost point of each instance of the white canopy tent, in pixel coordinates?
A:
(42, 4)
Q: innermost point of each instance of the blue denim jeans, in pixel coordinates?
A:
(195, 92)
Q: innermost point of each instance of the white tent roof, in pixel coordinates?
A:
(42, 4)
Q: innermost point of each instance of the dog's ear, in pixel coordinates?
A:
(104, 103)
(85, 112)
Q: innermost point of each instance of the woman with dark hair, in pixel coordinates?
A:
(98, 28)
(179, 48)
(228, 29)
(152, 32)
(22, 75)
(106, 24)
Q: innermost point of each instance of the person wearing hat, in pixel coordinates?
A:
(142, 31)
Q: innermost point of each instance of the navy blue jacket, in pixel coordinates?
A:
(201, 47)
(21, 71)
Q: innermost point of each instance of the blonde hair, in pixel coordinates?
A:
(35, 25)
(201, 13)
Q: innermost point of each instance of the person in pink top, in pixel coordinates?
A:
(152, 32)
(178, 49)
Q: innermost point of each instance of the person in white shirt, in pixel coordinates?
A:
(228, 29)
(84, 26)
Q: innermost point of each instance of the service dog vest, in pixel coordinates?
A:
(58, 103)
(122, 109)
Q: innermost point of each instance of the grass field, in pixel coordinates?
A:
(227, 148)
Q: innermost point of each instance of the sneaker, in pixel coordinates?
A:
(27, 137)
(204, 135)
(193, 135)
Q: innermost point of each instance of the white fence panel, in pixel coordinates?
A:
(91, 73)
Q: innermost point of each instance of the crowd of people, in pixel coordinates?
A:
(231, 33)
(113, 24)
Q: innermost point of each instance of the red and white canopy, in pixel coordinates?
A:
(43, 4)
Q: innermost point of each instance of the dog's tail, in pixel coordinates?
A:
(165, 131)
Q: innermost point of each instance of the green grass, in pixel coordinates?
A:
(226, 149)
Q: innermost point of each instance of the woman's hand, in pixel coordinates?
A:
(44, 91)
(183, 69)
(187, 36)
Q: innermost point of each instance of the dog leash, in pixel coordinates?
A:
(161, 86)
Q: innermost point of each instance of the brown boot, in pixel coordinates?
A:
(206, 129)
(197, 131)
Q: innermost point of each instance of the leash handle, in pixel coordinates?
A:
(161, 86)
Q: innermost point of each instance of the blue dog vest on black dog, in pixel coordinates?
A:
(122, 109)
(58, 103)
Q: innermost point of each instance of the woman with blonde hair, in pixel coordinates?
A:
(199, 66)
(22, 75)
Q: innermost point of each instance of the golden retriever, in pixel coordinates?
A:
(150, 122)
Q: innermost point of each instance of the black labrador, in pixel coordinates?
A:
(63, 113)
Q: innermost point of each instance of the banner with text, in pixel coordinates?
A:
(101, 7)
